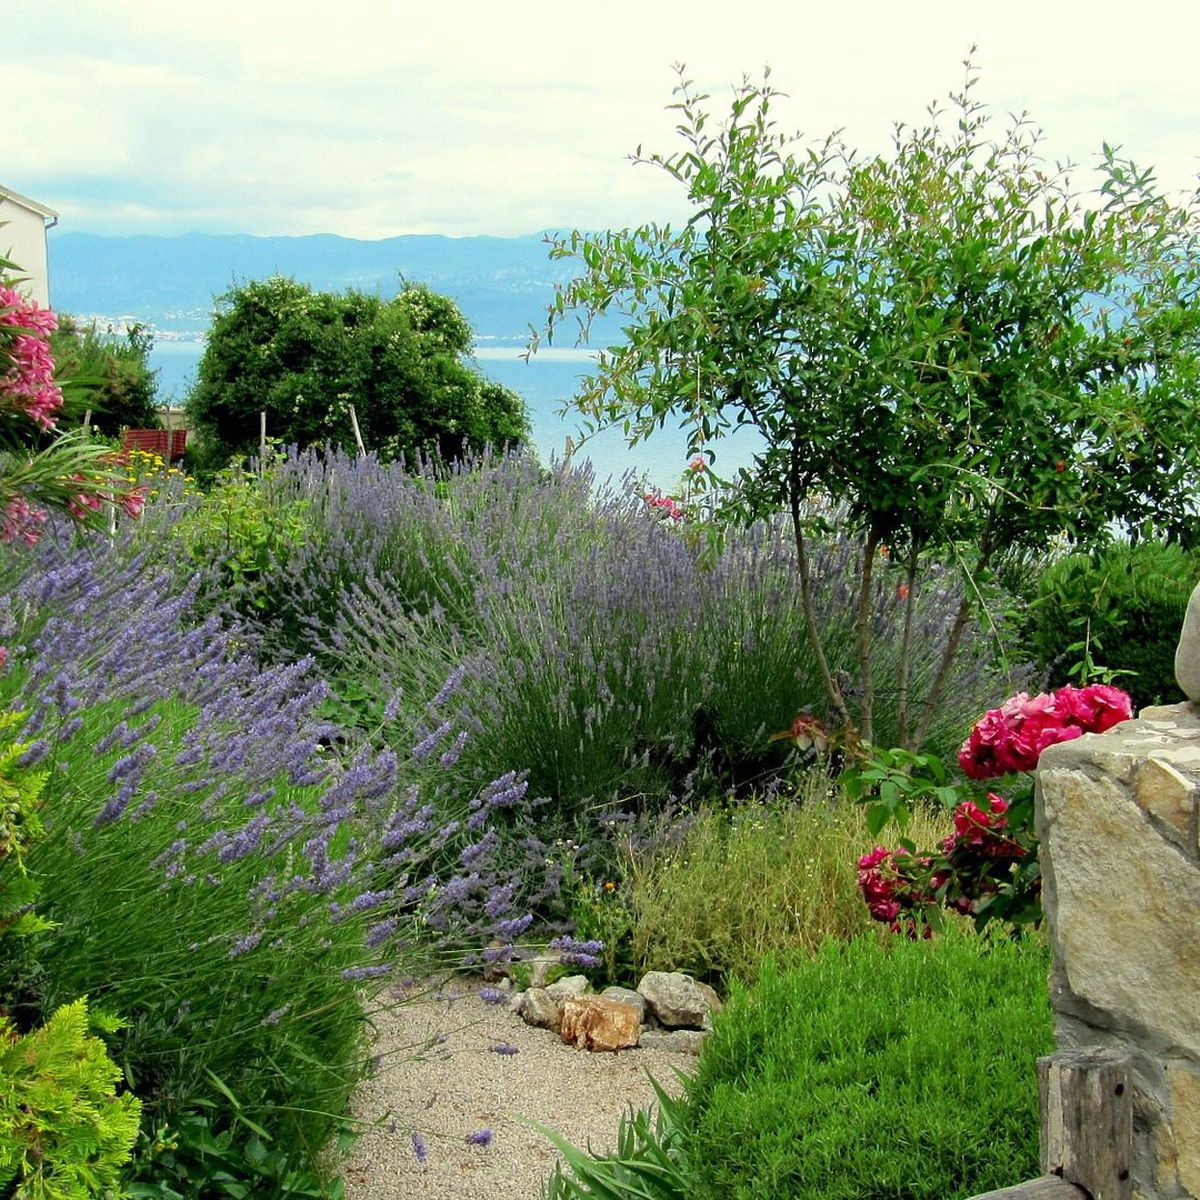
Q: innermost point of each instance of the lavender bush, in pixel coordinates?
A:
(224, 870)
(590, 643)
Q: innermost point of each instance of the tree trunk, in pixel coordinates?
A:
(863, 623)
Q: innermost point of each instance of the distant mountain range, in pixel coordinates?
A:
(502, 285)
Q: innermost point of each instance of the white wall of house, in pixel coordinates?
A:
(23, 240)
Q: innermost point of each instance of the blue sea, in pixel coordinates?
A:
(548, 382)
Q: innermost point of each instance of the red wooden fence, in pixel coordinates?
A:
(154, 441)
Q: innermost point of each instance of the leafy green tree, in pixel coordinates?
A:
(306, 358)
(122, 386)
(949, 344)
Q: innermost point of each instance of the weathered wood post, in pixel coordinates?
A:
(357, 434)
(1086, 1129)
(1087, 1120)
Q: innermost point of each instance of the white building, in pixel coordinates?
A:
(23, 225)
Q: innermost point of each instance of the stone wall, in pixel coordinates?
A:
(1117, 818)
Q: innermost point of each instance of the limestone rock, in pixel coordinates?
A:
(1187, 654)
(681, 1041)
(540, 1009)
(1120, 896)
(678, 1000)
(1185, 1122)
(627, 996)
(595, 1023)
(573, 985)
(540, 968)
(1167, 794)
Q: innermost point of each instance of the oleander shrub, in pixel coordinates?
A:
(1123, 607)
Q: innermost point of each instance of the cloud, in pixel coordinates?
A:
(377, 117)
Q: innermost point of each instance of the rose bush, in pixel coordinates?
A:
(987, 868)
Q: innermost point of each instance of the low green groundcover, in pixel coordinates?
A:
(904, 1072)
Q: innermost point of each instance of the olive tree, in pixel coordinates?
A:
(951, 344)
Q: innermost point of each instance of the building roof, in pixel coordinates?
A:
(7, 193)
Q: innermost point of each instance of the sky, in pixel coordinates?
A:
(373, 118)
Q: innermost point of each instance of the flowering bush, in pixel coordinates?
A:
(668, 506)
(71, 475)
(27, 385)
(1013, 736)
(987, 868)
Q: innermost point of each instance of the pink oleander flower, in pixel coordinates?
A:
(22, 522)
(3, 657)
(134, 501)
(27, 384)
(84, 505)
(667, 505)
(697, 463)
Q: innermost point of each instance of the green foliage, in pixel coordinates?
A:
(1121, 608)
(897, 780)
(306, 358)
(905, 1071)
(651, 1161)
(752, 880)
(64, 1131)
(20, 829)
(947, 341)
(248, 528)
(190, 1160)
(122, 387)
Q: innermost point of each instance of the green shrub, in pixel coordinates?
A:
(123, 386)
(307, 358)
(1122, 608)
(904, 1071)
(64, 1131)
(248, 528)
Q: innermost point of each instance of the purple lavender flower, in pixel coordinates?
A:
(581, 954)
(245, 944)
(375, 972)
(480, 1137)
(491, 995)
(453, 681)
(428, 743)
(420, 1152)
(505, 1048)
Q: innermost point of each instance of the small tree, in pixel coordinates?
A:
(123, 386)
(949, 343)
(306, 357)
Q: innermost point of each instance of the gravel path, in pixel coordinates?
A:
(441, 1078)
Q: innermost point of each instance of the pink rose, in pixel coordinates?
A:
(1097, 707)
